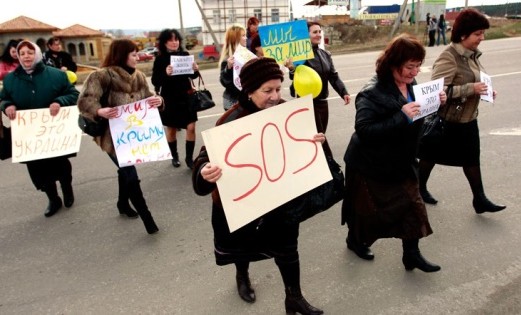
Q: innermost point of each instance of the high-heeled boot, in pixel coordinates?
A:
(65, 179)
(480, 202)
(412, 258)
(244, 288)
(68, 194)
(123, 205)
(55, 202)
(295, 302)
(189, 146)
(137, 199)
(175, 156)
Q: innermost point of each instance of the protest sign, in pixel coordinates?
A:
(428, 96)
(286, 40)
(485, 78)
(267, 159)
(182, 64)
(38, 135)
(241, 56)
(138, 134)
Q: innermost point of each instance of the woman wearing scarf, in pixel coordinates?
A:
(32, 86)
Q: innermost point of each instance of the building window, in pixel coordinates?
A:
(275, 15)
(258, 14)
(216, 16)
(231, 16)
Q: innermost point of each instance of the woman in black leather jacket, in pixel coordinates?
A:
(322, 63)
(382, 197)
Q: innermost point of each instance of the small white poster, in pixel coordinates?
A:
(138, 134)
(428, 96)
(241, 56)
(182, 64)
(489, 97)
(38, 135)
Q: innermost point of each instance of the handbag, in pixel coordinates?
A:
(200, 99)
(96, 128)
(5, 143)
(319, 199)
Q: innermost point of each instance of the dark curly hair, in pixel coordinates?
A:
(6, 55)
(467, 22)
(166, 35)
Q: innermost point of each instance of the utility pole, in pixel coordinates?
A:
(398, 19)
(181, 17)
(217, 45)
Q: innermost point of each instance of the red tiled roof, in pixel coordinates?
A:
(23, 23)
(77, 30)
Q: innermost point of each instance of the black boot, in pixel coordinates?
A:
(55, 203)
(412, 258)
(361, 250)
(480, 202)
(295, 302)
(425, 169)
(68, 195)
(123, 204)
(136, 196)
(175, 156)
(244, 288)
(190, 145)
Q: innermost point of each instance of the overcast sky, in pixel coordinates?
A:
(143, 14)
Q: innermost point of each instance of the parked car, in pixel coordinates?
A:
(144, 56)
(151, 50)
(209, 53)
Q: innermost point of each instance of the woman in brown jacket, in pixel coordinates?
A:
(459, 65)
(123, 84)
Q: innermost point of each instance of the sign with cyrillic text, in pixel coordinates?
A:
(138, 135)
(267, 159)
(241, 56)
(38, 135)
(428, 96)
(489, 97)
(282, 41)
(182, 64)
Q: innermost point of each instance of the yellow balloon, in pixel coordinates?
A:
(307, 81)
(71, 76)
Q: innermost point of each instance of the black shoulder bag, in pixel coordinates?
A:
(96, 128)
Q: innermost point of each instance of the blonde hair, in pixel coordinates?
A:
(231, 40)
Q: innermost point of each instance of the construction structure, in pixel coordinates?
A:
(221, 14)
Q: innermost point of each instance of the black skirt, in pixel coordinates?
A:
(459, 145)
(177, 113)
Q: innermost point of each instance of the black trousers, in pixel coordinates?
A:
(48, 171)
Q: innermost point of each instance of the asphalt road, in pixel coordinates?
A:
(89, 260)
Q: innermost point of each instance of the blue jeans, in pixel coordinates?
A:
(441, 34)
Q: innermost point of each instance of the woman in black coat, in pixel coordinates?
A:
(382, 197)
(271, 235)
(175, 91)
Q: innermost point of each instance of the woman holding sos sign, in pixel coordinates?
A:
(269, 236)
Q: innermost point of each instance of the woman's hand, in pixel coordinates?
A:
(347, 99)
(289, 64)
(195, 67)
(54, 108)
(211, 173)
(10, 111)
(230, 61)
(107, 112)
(411, 110)
(443, 98)
(480, 88)
(155, 101)
(319, 137)
(169, 70)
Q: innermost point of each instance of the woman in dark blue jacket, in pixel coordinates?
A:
(31, 86)
(382, 198)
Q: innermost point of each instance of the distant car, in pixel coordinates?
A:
(209, 53)
(144, 56)
(151, 50)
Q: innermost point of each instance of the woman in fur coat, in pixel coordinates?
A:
(123, 84)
